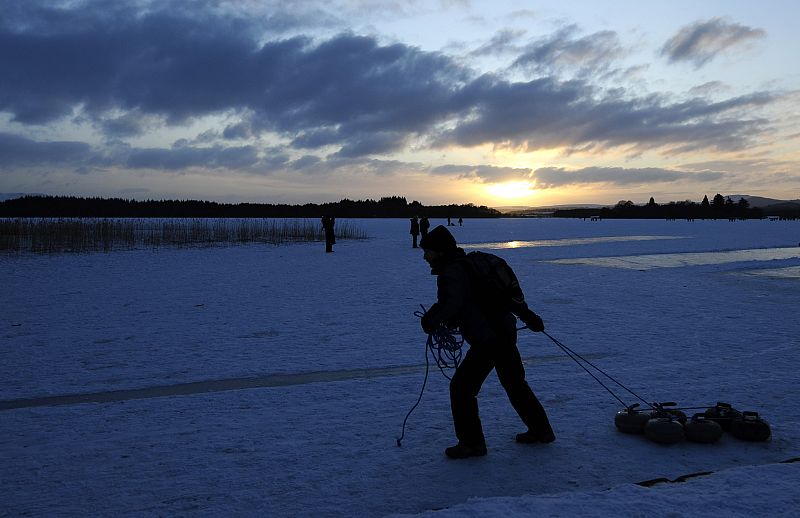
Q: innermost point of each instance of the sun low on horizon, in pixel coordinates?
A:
(510, 191)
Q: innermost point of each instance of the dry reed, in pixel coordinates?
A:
(46, 235)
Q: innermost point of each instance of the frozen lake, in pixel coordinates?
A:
(313, 360)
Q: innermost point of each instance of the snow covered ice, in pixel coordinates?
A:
(273, 380)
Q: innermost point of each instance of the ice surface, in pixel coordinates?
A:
(145, 320)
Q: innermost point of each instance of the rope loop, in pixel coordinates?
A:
(445, 345)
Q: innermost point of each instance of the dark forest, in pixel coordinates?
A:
(74, 207)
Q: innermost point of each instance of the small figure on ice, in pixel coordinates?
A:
(414, 231)
(330, 237)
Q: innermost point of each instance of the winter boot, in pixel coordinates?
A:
(531, 437)
(462, 451)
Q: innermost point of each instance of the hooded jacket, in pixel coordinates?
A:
(457, 304)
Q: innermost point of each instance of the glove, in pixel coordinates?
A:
(532, 320)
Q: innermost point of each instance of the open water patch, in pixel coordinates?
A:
(503, 245)
(791, 272)
(651, 261)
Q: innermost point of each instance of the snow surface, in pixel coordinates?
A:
(275, 379)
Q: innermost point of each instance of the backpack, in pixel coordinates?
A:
(496, 285)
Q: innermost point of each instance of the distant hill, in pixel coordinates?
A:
(789, 209)
(770, 207)
(758, 201)
(522, 210)
(511, 208)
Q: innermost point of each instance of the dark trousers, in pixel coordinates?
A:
(414, 241)
(479, 361)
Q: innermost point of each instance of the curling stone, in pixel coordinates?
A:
(662, 410)
(676, 414)
(631, 420)
(723, 413)
(702, 429)
(664, 430)
(750, 427)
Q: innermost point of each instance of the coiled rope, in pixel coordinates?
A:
(444, 344)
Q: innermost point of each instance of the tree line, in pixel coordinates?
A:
(719, 207)
(79, 207)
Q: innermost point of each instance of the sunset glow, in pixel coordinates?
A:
(510, 191)
(502, 102)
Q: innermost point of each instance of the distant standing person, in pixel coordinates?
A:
(460, 222)
(330, 238)
(424, 225)
(414, 232)
(449, 223)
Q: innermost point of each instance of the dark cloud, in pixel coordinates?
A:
(237, 131)
(154, 62)
(276, 160)
(563, 50)
(352, 92)
(349, 96)
(545, 113)
(306, 164)
(179, 67)
(550, 177)
(381, 142)
(128, 125)
(185, 157)
(18, 151)
(701, 42)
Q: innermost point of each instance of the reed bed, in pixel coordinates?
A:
(47, 235)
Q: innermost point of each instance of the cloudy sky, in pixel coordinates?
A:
(496, 102)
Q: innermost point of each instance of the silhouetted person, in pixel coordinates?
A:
(330, 238)
(492, 335)
(414, 231)
(449, 224)
(424, 225)
(460, 222)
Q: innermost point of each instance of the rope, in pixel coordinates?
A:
(424, 382)
(575, 357)
(445, 346)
